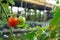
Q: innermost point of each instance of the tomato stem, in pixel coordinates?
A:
(12, 35)
(3, 10)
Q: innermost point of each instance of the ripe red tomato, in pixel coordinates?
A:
(12, 21)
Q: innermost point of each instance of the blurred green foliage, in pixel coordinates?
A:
(41, 33)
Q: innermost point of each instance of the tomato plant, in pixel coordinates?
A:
(41, 34)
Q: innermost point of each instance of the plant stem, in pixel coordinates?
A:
(3, 10)
(13, 38)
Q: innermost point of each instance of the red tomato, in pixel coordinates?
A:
(12, 21)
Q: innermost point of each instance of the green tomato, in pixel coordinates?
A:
(21, 20)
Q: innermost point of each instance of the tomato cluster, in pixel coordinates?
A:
(13, 21)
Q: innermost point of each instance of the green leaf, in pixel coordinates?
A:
(1, 38)
(56, 20)
(53, 34)
(45, 28)
(43, 36)
(5, 6)
(11, 2)
(26, 25)
(19, 26)
(29, 36)
(39, 32)
(0, 0)
(57, 1)
(57, 29)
